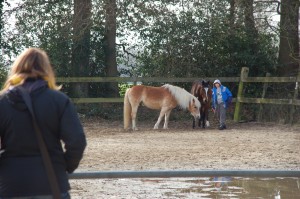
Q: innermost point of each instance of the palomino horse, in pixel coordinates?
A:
(203, 92)
(165, 98)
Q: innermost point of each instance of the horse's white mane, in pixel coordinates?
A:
(181, 95)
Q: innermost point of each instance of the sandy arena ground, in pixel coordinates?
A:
(242, 146)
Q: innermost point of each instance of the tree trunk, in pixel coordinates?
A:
(231, 16)
(81, 45)
(1, 21)
(249, 19)
(2, 2)
(110, 47)
(251, 31)
(289, 40)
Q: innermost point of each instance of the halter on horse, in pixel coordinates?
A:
(203, 92)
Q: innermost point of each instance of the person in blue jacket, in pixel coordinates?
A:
(221, 100)
(22, 171)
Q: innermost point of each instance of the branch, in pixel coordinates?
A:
(270, 26)
(127, 52)
(22, 5)
(278, 4)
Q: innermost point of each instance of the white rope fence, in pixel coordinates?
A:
(184, 173)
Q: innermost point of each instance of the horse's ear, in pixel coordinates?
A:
(203, 82)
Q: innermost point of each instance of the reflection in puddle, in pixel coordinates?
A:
(228, 187)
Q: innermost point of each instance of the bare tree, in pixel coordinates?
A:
(81, 44)
(289, 38)
(1, 22)
(110, 46)
(231, 15)
(251, 31)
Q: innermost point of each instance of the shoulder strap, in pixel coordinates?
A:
(45, 155)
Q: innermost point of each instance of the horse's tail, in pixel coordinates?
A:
(127, 110)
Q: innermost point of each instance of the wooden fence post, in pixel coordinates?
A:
(244, 74)
(295, 98)
(263, 96)
(134, 80)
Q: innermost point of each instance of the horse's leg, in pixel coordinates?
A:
(199, 120)
(203, 118)
(167, 116)
(194, 122)
(133, 117)
(206, 116)
(161, 115)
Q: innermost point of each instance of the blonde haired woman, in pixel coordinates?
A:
(22, 172)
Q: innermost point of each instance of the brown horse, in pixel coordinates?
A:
(165, 98)
(203, 92)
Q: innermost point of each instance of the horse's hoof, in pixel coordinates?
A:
(207, 124)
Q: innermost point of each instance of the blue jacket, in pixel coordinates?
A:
(226, 96)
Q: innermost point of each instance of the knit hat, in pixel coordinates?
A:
(217, 81)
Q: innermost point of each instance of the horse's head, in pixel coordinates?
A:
(205, 83)
(202, 90)
(194, 107)
(205, 92)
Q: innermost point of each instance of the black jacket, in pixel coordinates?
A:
(22, 172)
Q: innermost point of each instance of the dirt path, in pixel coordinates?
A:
(241, 146)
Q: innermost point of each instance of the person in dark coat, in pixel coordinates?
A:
(22, 171)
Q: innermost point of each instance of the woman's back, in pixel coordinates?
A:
(22, 170)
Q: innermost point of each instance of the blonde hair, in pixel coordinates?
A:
(32, 63)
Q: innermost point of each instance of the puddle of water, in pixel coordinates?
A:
(188, 188)
(230, 187)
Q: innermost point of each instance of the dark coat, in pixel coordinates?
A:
(22, 172)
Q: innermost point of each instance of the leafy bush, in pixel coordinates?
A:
(123, 87)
